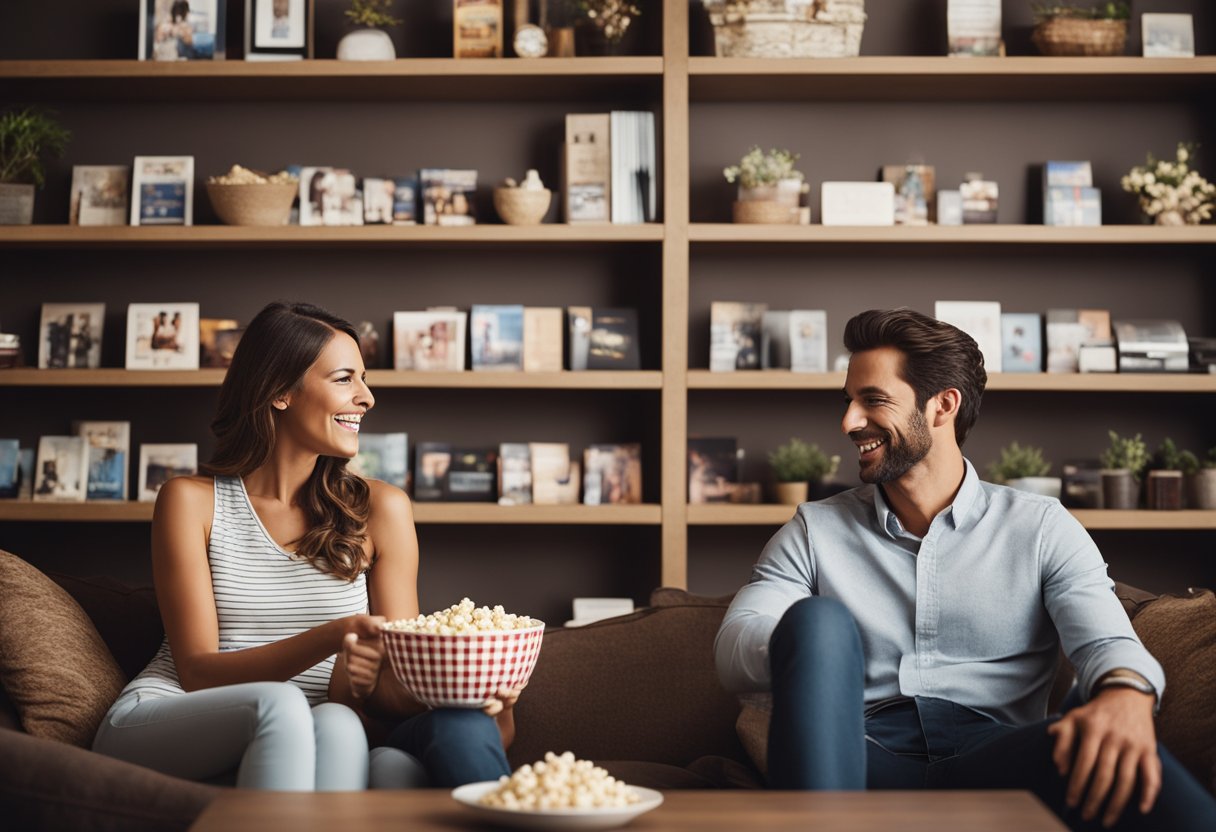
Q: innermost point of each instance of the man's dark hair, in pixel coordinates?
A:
(936, 357)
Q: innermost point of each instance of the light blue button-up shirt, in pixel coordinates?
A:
(973, 612)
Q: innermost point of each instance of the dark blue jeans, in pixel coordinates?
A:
(820, 738)
(454, 745)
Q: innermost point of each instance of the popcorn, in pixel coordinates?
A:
(559, 782)
(238, 175)
(463, 619)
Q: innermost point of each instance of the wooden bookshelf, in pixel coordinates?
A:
(938, 235)
(1000, 382)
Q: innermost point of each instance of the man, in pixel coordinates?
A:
(909, 629)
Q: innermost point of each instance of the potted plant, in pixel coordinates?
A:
(28, 138)
(1062, 29)
(795, 465)
(769, 186)
(1122, 464)
(1171, 193)
(1023, 467)
(601, 25)
(369, 42)
(1200, 475)
(1163, 487)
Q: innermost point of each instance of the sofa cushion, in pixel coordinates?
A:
(1181, 634)
(126, 617)
(53, 665)
(51, 786)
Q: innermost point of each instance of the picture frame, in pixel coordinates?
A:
(1167, 35)
(99, 195)
(162, 336)
(182, 30)
(477, 28)
(159, 463)
(61, 469)
(279, 30)
(162, 190)
(69, 335)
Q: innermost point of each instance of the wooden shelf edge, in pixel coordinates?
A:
(999, 382)
(945, 66)
(979, 234)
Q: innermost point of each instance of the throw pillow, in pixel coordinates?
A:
(53, 664)
(752, 728)
(1181, 634)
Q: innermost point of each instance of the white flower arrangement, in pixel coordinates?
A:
(1170, 192)
(758, 168)
(611, 17)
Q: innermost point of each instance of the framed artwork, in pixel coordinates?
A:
(69, 335)
(162, 336)
(181, 30)
(162, 190)
(99, 195)
(162, 462)
(278, 30)
(1167, 35)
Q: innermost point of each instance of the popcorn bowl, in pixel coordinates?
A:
(462, 671)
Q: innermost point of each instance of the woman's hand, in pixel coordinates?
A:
(363, 653)
(501, 706)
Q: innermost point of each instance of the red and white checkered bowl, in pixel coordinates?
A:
(462, 671)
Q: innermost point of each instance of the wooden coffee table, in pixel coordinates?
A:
(433, 810)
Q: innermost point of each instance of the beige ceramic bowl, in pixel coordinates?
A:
(521, 206)
(266, 204)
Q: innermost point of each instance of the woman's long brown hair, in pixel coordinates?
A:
(278, 347)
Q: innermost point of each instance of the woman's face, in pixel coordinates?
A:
(323, 414)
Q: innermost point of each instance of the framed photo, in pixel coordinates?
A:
(278, 30)
(217, 339)
(181, 30)
(99, 195)
(160, 463)
(329, 196)
(162, 336)
(61, 470)
(1167, 35)
(162, 190)
(477, 29)
(70, 335)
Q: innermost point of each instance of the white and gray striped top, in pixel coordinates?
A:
(262, 594)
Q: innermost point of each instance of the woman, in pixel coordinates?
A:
(266, 568)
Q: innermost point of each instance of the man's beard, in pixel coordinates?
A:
(898, 456)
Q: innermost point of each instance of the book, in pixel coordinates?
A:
(973, 27)
(542, 339)
(496, 335)
(915, 190)
(1065, 334)
(448, 196)
(431, 463)
(405, 200)
(1072, 206)
(949, 208)
(162, 190)
(514, 474)
(330, 197)
(473, 475)
(69, 335)
(1021, 342)
(162, 336)
(382, 456)
(809, 341)
(159, 463)
(981, 198)
(735, 335)
(61, 469)
(217, 340)
(477, 29)
(25, 463)
(633, 167)
(587, 168)
(431, 341)
(378, 198)
(108, 451)
(578, 320)
(775, 340)
(979, 319)
(612, 474)
(1067, 174)
(554, 475)
(857, 203)
(10, 469)
(613, 340)
(99, 195)
(713, 469)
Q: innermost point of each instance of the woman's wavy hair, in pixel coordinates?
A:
(278, 347)
(937, 356)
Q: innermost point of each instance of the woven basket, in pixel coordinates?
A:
(521, 206)
(786, 29)
(1067, 36)
(765, 212)
(266, 204)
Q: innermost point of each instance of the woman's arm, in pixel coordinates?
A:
(182, 574)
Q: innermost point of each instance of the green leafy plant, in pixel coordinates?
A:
(1101, 11)
(798, 461)
(28, 137)
(1130, 453)
(1019, 461)
(758, 168)
(1170, 457)
(372, 13)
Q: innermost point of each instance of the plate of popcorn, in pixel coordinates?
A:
(558, 792)
(459, 657)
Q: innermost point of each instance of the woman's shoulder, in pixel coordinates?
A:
(187, 491)
(387, 498)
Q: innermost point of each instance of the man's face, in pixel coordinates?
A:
(881, 418)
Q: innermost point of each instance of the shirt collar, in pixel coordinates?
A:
(965, 503)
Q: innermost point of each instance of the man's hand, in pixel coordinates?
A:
(1115, 744)
(501, 706)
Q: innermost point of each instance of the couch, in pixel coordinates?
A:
(637, 693)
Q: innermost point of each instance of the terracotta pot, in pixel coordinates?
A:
(1202, 489)
(1119, 489)
(1164, 490)
(791, 493)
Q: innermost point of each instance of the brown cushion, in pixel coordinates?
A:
(1181, 634)
(9, 718)
(670, 596)
(52, 786)
(53, 664)
(752, 727)
(126, 617)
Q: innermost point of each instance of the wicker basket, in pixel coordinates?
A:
(765, 212)
(784, 29)
(1068, 36)
(266, 204)
(522, 206)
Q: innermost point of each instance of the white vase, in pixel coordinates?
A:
(1170, 218)
(1047, 486)
(366, 45)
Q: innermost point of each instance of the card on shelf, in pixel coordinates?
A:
(612, 474)
(162, 190)
(108, 451)
(613, 340)
(159, 463)
(1021, 342)
(69, 335)
(857, 203)
(430, 341)
(979, 319)
(736, 335)
(713, 469)
(514, 474)
(432, 460)
(99, 195)
(62, 468)
(809, 341)
(162, 336)
(496, 336)
(383, 456)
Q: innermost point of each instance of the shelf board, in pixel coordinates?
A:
(425, 513)
(1021, 382)
(942, 78)
(376, 379)
(297, 237)
(717, 514)
(981, 234)
(406, 79)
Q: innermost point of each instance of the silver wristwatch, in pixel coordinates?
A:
(1133, 682)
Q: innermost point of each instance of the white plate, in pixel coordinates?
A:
(556, 818)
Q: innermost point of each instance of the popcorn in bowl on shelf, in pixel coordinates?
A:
(559, 782)
(238, 175)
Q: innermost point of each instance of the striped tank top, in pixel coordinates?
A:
(262, 594)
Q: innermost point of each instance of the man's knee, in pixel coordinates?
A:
(455, 725)
(815, 622)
